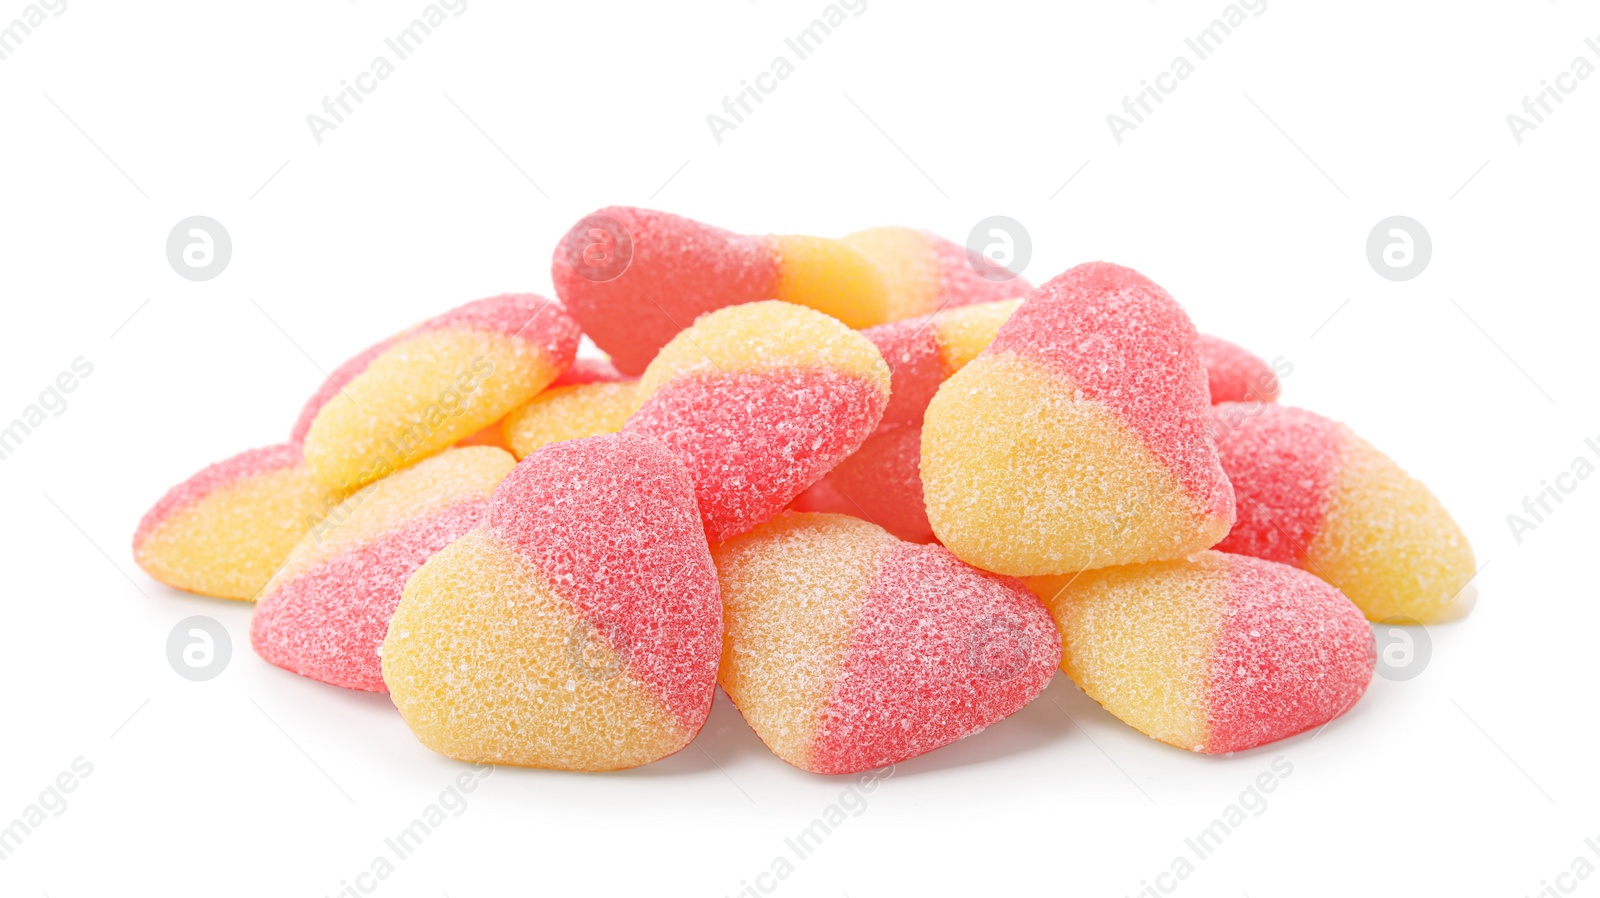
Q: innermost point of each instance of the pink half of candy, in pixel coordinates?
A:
(326, 611)
(1121, 339)
(880, 482)
(1282, 667)
(635, 277)
(910, 346)
(328, 622)
(609, 522)
(1235, 374)
(1284, 463)
(900, 691)
(755, 440)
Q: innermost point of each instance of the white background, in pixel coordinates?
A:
(1249, 194)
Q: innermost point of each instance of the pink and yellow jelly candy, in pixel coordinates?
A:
(440, 382)
(636, 277)
(577, 629)
(225, 530)
(570, 413)
(759, 401)
(1077, 439)
(1235, 374)
(924, 272)
(325, 612)
(1216, 654)
(1313, 494)
(589, 371)
(573, 420)
(846, 649)
(923, 352)
(880, 482)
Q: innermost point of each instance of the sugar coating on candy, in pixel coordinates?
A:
(499, 314)
(846, 649)
(1235, 374)
(755, 441)
(831, 277)
(228, 472)
(225, 530)
(438, 384)
(939, 651)
(759, 401)
(791, 590)
(922, 351)
(614, 517)
(487, 662)
(882, 482)
(1387, 541)
(1314, 494)
(332, 384)
(925, 272)
(911, 350)
(665, 271)
(569, 413)
(325, 612)
(1078, 438)
(1138, 639)
(578, 628)
(1291, 653)
(677, 270)
(765, 336)
(1123, 342)
(1215, 654)
(1283, 463)
(1021, 476)
(965, 332)
(329, 622)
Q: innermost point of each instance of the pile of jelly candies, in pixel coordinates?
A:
(876, 488)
